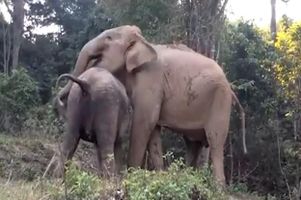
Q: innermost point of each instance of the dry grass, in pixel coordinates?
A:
(21, 190)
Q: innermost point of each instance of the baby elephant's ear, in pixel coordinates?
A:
(139, 52)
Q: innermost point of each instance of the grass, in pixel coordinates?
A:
(21, 190)
(21, 179)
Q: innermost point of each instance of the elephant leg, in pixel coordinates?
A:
(68, 147)
(121, 143)
(105, 154)
(70, 141)
(119, 155)
(216, 130)
(106, 132)
(145, 117)
(202, 156)
(155, 150)
(192, 149)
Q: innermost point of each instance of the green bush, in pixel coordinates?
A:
(81, 185)
(178, 182)
(77, 185)
(42, 120)
(18, 95)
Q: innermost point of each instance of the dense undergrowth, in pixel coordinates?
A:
(24, 159)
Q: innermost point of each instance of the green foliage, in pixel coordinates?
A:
(46, 56)
(18, 95)
(253, 65)
(42, 120)
(247, 60)
(40, 59)
(160, 21)
(288, 65)
(239, 188)
(178, 182)
(77, 185)
(81, 185)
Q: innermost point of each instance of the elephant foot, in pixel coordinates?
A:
(107, 169)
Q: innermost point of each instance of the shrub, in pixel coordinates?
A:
(178, 182)
(42, 120)
(81, 185)
(78, 185)
(18, 94)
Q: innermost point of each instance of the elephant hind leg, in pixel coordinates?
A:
(202, 156)
(106, 134)
(216, 130)
(192, 149)
(119, 154)
(70, 141)
(122, 141)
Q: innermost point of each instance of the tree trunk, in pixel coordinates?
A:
(273, 20)
(18, 23)
(6, 47)
(203, 22)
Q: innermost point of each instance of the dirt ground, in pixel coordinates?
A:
(26, 158)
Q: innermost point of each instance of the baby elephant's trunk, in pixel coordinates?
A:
(82, 84)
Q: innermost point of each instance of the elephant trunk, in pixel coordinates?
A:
(243, 122)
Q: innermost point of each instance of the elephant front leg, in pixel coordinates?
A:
(139, 139)
(145, 117)
(155, 159)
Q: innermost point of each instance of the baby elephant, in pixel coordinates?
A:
(98, 111)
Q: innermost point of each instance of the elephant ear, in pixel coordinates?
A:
(139, 52)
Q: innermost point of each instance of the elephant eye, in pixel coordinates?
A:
(109, 37)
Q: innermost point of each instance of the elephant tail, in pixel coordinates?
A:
(243, 120)
(82, 84)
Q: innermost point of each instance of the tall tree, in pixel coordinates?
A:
(203, 21)
(273, 20)
(273, 25)
(18, 24)
(5, 43)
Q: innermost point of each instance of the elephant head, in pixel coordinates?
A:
(114, 49)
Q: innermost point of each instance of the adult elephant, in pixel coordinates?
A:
(182, 90)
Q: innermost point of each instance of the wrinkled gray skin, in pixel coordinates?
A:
(98, 111)
(169, 87)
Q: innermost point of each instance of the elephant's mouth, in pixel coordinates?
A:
(95, 61)
(97, 56)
